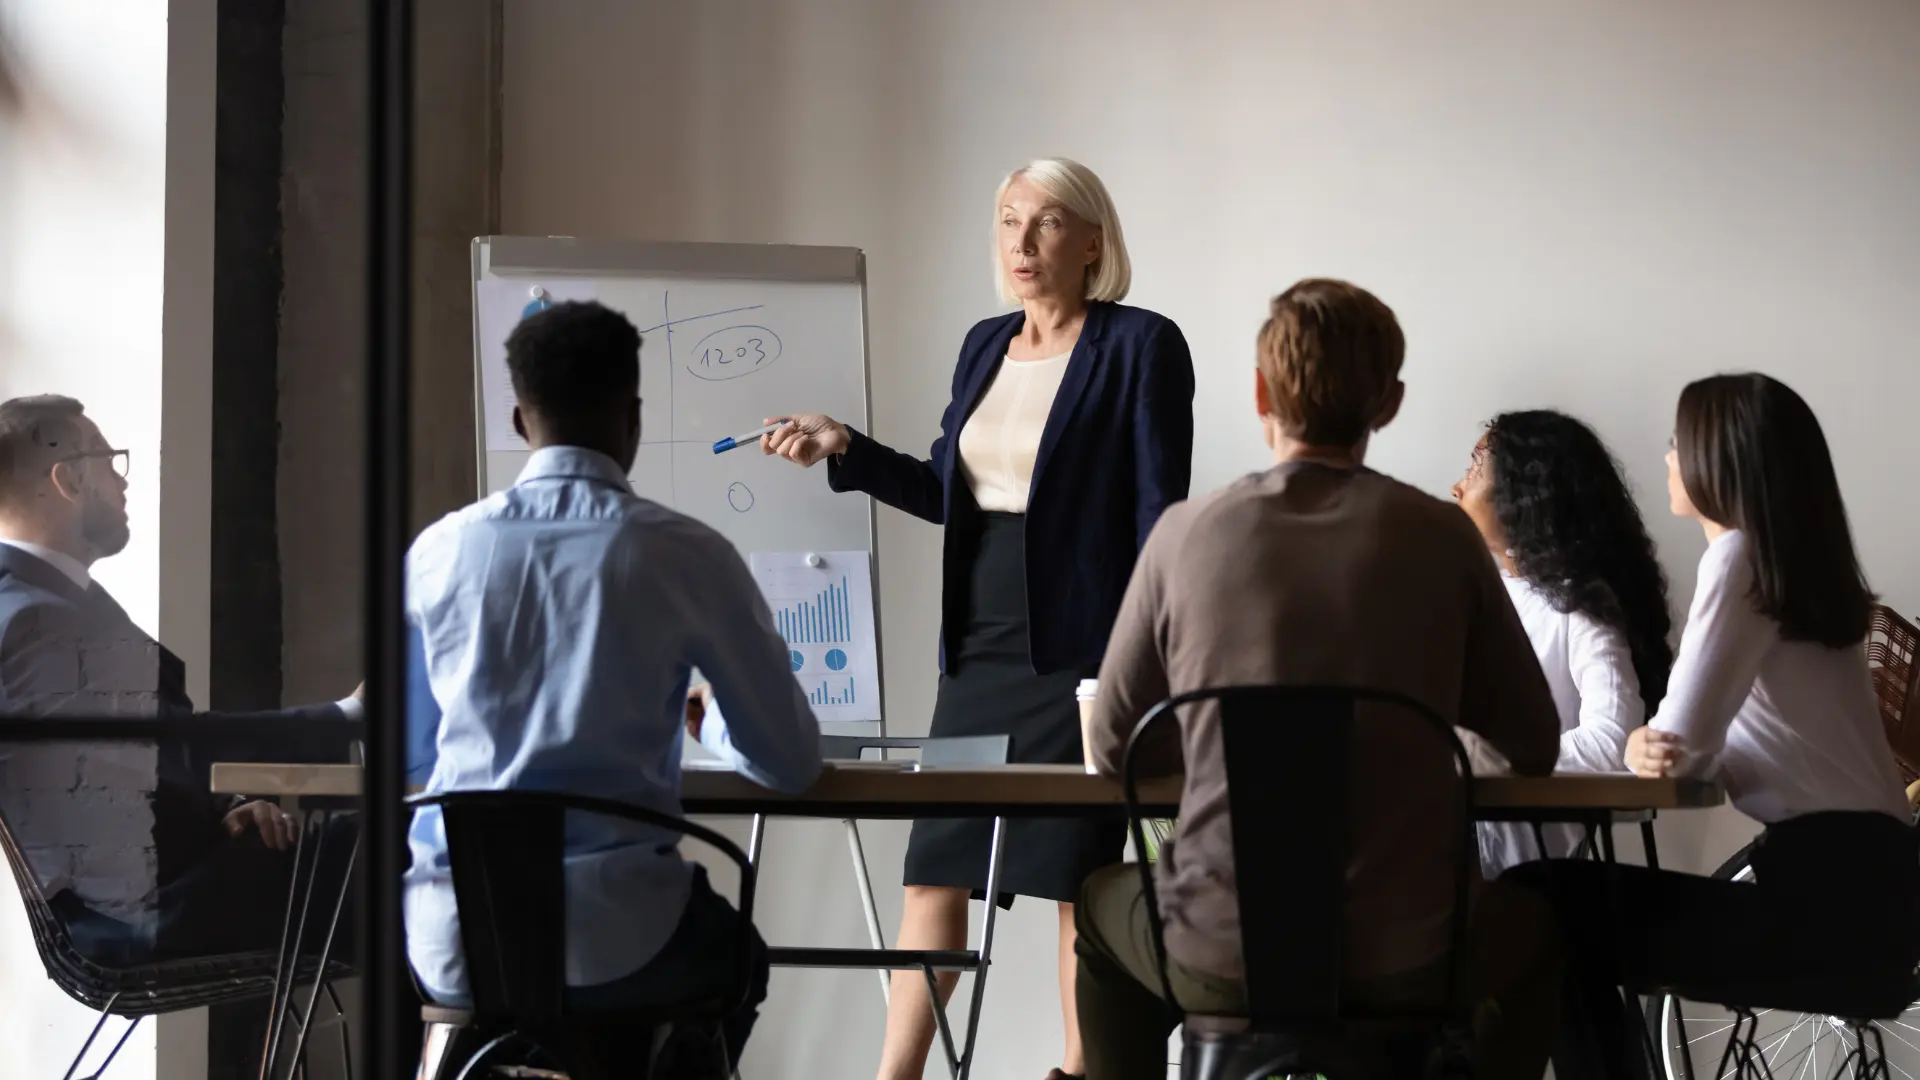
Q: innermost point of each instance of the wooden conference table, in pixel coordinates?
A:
(880, 790)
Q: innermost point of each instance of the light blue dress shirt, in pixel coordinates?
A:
(558, 623)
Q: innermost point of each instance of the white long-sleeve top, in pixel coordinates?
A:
(1589, 669)
(1789, 727)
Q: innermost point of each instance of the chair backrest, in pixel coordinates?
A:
(1893, 653)
(1289, 753)
(506, 852)
(952, 750)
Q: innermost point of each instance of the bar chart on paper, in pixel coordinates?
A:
(822, 604)
(824, 619)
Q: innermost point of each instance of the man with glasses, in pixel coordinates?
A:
(136, 854)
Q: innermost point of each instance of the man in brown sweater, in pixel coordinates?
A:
(1315, 572)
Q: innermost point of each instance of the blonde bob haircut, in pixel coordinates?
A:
(1079, 192)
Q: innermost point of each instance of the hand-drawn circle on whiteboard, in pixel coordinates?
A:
(740, 497)
(836, 660)
(733, 352)
(796, 659)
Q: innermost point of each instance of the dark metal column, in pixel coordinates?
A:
(389, 282)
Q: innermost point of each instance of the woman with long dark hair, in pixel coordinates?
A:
(1581, 570)
(1770, 696)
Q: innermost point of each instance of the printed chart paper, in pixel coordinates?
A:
(825, 614)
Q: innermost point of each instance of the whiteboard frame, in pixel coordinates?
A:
(531, 256)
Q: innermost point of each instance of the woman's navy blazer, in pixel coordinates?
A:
(1117, 450)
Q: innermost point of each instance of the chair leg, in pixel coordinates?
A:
(105, 1011)
(1743, 1051)
(868, 907)
(1867, 1058)
(994, 854)
(940, 1022)
(346, 1045)
(481, 1055)
(434, 1048)
(111, 1054)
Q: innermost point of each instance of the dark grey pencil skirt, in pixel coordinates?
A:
(990, 689)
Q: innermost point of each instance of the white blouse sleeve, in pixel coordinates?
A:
(1601, 664)
(1720, 653)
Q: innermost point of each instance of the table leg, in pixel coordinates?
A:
(986, 946)
(868, 907)
(286, 968)
(1646, 841)
(1642, 1054)
(326, 954)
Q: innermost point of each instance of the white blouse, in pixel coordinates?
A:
(1589, 669)
(1001, 440)
(1789, 727)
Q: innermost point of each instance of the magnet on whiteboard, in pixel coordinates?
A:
(813, 560)
(538, 292)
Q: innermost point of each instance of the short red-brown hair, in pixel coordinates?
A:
(1330, 353)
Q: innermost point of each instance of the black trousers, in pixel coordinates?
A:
(700, 960)
(1124, 1022)
(1833, 909)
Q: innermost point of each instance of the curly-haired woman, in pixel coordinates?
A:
(1580, 567)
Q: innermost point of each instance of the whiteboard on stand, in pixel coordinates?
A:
(730, 334)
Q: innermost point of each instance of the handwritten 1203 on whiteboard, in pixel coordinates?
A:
(734, 352)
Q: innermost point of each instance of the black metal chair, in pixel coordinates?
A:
(932, 751)
(1288, 752)
(1851, 1015)
(137, 992)
(506, 851)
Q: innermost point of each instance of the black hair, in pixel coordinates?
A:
(1753, 458)
(574, 362)
(1575, 533)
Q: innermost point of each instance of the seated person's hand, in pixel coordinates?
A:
(277, 829)
(699, 699)
(1654, 754)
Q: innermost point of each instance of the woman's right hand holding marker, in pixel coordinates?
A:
(805, 438)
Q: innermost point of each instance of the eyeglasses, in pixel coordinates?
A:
(121, 461)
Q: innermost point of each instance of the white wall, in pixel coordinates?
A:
(106, 203)
(81, 244)
(1571, 205)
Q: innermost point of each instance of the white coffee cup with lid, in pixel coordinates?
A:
(1085, 694)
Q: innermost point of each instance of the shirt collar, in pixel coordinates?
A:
(572, 463)
(73, 569)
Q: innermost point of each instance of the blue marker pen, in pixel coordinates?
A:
(732, 441)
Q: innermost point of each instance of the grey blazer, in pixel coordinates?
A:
(65, 650)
